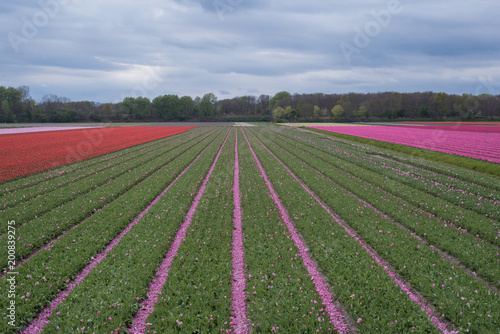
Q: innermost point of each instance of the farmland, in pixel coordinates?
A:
(249, 229)
(479, 142)
(25, 154)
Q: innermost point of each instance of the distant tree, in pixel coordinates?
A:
(25, 93)
(305, 109)
(278, 97)
(95, 116)
(345, 103)
(363, 112)
(168, 106)
(51, 107)
(439, 101)
(107, 111)
(5, 106)
(23, 109)
(143, 107)
(186, 107)
(278, 114)
(263, 105)
(318, 112)
(207, 105)
(138, 107)
(197, 101)
(5, 113)
(460, 105)
(12, 108)
(376, 107)
(423, 112)
(388, 113)
(338, 112)
(396, 101)
(244, 104)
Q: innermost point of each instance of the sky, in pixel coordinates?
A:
(104, 51)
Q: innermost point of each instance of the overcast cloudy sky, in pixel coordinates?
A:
(106, 50)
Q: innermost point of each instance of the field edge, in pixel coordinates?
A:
(484, 167)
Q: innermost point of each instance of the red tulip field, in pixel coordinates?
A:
(264, 229)
(27, 153)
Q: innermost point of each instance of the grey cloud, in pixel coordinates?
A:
(98, 50)
(226, 5)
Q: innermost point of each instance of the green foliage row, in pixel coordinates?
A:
(57, 178)
(414, 163)
(130, 266)
(368, 294)
(460, 297)
(478, 255)
(36, 207)
(280, 293)
(415, 169)
(487, 168)
(51, 270)
(476, 223)
(37, 232)
(196, 297)
(454, 211)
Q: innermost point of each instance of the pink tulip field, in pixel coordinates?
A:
(479, 142)
(263, 229)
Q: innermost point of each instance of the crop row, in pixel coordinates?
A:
(192, 288)
(470, 144)
(24, 154)
(33, 240)
(37, 232)
(256, 230)
(18, 196)
(36, 207)
(359, 284)
(464, 194)
(51, 270)
(477, 254)
(484, 227)
(280, 271)
(131, 265)
(415, 163)
(379, 160)
(467, 302)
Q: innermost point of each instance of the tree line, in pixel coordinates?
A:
(17, 106)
